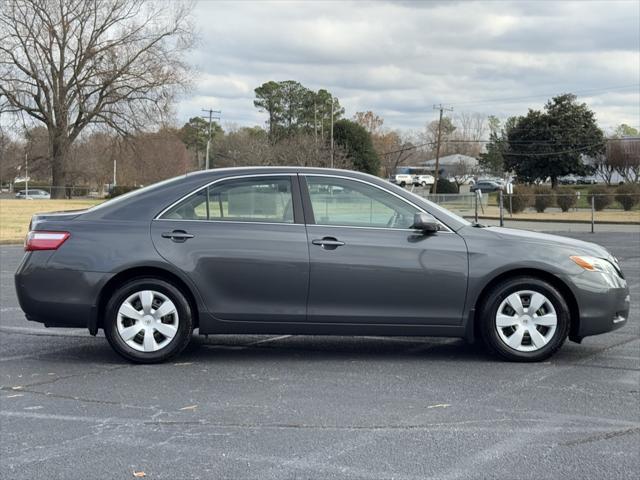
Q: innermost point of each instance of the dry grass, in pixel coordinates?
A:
(16, 214)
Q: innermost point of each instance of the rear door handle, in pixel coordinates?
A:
(177, 235)
(328, 243)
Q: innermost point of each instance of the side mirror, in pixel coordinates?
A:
(425, 222)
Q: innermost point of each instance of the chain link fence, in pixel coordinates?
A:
(578, 206)
(568, 207)
(39, 191)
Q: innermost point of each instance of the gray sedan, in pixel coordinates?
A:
(308, 251)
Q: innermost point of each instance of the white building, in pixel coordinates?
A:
(455, 165)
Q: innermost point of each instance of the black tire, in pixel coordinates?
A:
(177, 343)
(403, 184)
(489, 310)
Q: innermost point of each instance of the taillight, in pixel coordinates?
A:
(41, 240)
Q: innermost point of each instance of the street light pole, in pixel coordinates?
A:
(26, 173)
(332, 114)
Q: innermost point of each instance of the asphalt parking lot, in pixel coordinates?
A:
(263, 407)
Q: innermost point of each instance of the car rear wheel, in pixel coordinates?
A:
(524, 319)
(148, 320)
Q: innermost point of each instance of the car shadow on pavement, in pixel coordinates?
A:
(322, 348)
(90, 351)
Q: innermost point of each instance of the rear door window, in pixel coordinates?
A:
(251, 199)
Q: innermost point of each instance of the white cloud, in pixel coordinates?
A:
(399, 58)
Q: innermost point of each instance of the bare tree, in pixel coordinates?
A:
(397, 150)
(11, 157)
(466, 139)
(252, 146)
(462, 171)
(74, 63)
(370, 121)
(623, 154)
(461, 134)
(603, 168)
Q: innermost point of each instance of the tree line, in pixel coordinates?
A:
(92, 84)
(563, 139)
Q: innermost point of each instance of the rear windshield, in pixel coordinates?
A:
(133, 193)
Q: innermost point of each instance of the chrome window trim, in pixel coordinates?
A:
(226, 221)
(420, 209)
(258, 175)
(412, 230)
(184, 197)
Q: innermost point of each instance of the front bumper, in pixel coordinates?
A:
(603, 303)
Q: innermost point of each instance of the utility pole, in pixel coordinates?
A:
(26, 173)
(315, 122)
(332, 113)
(211, 118)
(435, 176)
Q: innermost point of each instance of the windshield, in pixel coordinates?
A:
(446, 213)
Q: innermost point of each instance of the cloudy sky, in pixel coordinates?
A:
(398, 58)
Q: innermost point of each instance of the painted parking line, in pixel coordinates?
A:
(266, 340)
(74, 332)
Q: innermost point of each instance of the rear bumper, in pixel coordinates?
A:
(56, 297)
(603, 303)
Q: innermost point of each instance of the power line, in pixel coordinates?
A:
(544, 154)
(546, 95)
(533, 142)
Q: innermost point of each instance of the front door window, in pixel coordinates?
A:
(343, 202)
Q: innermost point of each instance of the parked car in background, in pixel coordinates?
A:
(587, 180)
(403, 179)
(272, 250)
(35, 194)
(568, 180)
(486, 186)
(423, 180)
(462, 180)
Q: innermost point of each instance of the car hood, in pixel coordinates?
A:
(526, 236)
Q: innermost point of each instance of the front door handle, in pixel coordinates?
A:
(177, 235)
(328, 243)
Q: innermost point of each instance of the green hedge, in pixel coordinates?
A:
(520, 199)
(121, 190)
(601, 195)
(628, 195)
(566, 201)
(543, 198)
(445, 186)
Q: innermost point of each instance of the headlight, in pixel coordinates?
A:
(594, 264)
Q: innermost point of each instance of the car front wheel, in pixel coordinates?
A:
(524, 319)
(148, 320)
